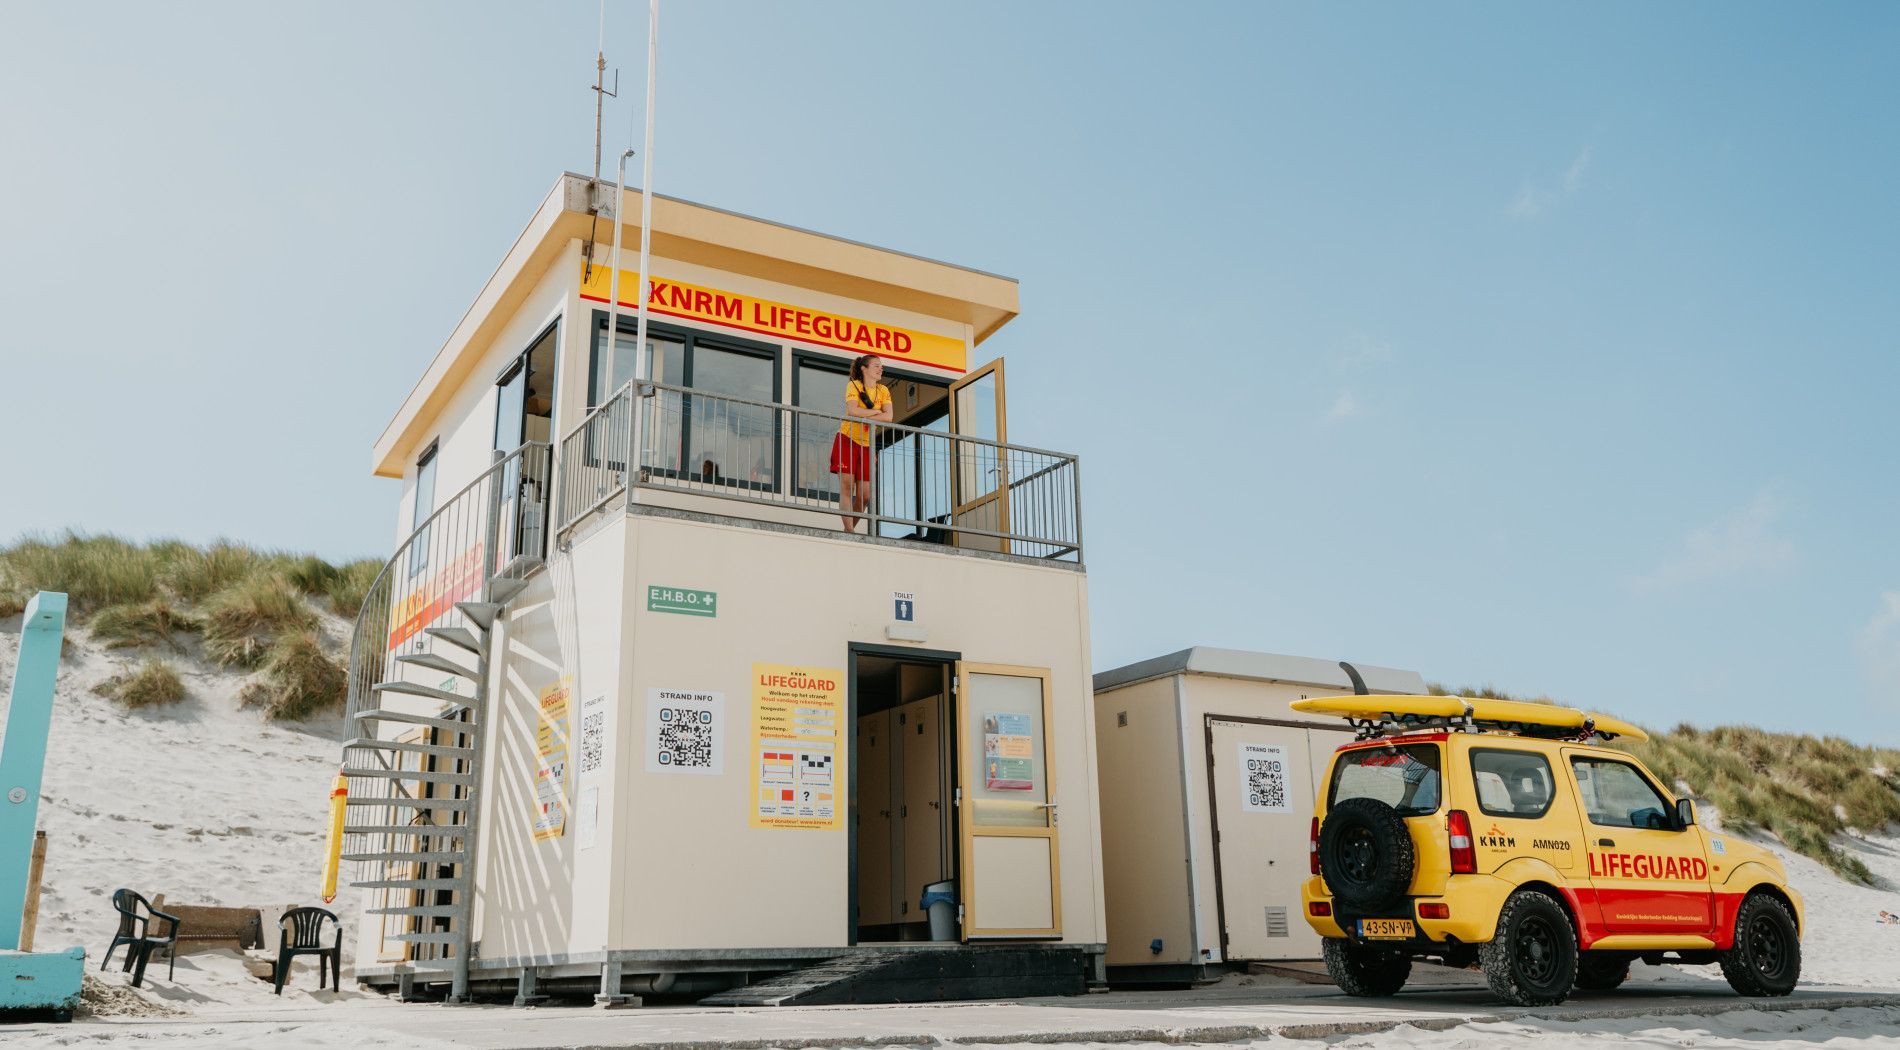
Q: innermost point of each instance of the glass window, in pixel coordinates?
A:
(1615, 795)
(1512, 783)
(424, 506)
(1403, 776)
(510, 397)
(732, 442)
(666, 363)
(819, 387)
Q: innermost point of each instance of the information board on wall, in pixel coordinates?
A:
(1263, 772)
(798, 774)
(550, 745)
(1008, 752)
(686, 731)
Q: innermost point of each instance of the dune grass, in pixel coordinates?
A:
(350, 586)
(243, 620)
(154, 621)
(92, 571)
(299, 680)
(154, 684)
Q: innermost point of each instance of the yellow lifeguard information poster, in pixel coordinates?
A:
(550, 775)
(798, 773)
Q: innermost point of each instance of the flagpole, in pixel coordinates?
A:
(646, 193)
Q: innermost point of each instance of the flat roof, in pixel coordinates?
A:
(702, 235)
(1261, 667)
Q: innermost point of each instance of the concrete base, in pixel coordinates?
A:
(42, 981)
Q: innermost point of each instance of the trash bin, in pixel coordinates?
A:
(940, 902)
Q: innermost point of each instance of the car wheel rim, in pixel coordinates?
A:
(1536, 951)
(1765, 945)
(1358, 856)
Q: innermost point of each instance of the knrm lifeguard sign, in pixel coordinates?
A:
(748, 313)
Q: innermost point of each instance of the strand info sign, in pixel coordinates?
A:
(682, 601)
(749, 313)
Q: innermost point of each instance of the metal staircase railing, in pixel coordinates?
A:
(418, 678)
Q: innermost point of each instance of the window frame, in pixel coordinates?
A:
(892, 375)
(419, 552)
(1668, 802)
(1551, 773)
(691, 338)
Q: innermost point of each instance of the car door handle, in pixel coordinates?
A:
(1606, 842)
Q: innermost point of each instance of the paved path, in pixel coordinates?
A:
(1207, 1015)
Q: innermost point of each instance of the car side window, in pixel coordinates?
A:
(1510, 783)
(1615, 795)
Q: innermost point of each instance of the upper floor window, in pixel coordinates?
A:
(424, 507)
(729, 438)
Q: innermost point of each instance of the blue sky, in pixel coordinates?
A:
(1553, 348)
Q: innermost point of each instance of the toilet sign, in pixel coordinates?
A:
(906, 606)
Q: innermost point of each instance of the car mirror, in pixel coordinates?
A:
(1685, 813)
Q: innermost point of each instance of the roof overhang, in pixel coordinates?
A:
(1260, 667)
(705, 236)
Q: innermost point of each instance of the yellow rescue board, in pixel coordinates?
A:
(1407, 708)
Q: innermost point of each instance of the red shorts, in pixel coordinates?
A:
(849, 457)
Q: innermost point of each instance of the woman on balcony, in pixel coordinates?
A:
(864, 398)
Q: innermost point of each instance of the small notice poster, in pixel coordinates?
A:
(797, 765)
(1263, 772)
(686, 731)
(1008, 752)
(550, 745)
(593, 736)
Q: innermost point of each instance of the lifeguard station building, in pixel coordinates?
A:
(634, 714)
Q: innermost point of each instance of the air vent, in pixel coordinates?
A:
(1276, 922)
(1121, 720)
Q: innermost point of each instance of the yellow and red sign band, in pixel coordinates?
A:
(455, 582)
(764, 317)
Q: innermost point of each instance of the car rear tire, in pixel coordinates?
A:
(1602, 971)
(1766, 956)
(1364, 969)
(1532, 958)
(1366, 855)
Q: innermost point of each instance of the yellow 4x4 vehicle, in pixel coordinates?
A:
(1497, 832)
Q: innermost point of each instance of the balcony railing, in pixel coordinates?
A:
(929, 485)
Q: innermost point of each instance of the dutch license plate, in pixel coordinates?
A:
(1387, 929)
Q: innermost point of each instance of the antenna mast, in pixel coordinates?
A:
(601, 95)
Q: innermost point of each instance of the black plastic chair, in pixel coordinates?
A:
(300, 932)
(135, 932)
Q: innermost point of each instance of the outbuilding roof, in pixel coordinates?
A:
(1261, 667)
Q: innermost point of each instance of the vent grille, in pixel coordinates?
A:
(1276, 922)
(1121, 720)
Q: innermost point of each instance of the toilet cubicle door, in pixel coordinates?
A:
(1261, 784)
(1007, 818)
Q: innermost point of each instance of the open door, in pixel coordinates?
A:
(979, 481)
(1011, 885)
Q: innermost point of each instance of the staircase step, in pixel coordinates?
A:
(427, 691)
(455, 857)
(405, 802)
(460, 637)
(447, 831)
(425, 775)
(436, 662)
(481, 614)
(427, 911)
(433, 937)
(438, 750)
(386, 715)
(502, 590)
(410, 884)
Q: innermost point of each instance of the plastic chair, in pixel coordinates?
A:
(135, 933)
(300, 932)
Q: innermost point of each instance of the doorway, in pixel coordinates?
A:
(902, 770)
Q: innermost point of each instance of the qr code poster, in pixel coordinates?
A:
(593, 736)
(1263, 779)
(686, 732)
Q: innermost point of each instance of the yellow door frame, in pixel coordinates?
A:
(971, 751)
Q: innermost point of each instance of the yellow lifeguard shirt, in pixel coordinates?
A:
(861, 432)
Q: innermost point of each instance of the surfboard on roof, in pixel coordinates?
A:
(1514, 715)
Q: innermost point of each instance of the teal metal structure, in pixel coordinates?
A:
(30, 980)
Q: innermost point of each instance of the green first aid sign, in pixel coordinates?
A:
(682, 601)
